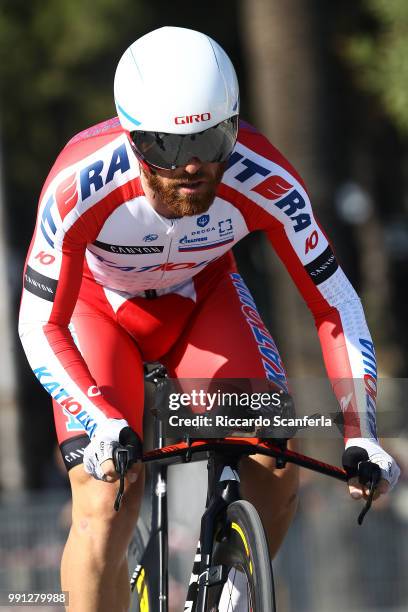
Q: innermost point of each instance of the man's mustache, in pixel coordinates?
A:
(188, 179)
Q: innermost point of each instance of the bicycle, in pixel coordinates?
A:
(232, 545)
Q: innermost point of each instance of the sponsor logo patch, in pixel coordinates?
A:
(128, 250)
(200, 244)
(225, 227)
(199, 240)
(321, 268)
(192, 118)
(42, 286)
(203, 220)
(73, 450)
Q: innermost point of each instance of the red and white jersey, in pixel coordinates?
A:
(95, 221)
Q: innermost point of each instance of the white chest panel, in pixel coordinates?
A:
(138, 249)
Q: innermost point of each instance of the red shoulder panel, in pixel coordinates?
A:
(253, 139)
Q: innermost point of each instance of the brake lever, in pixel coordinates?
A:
(365, 468)
(125, 454)
(121, 460)
(367, 505)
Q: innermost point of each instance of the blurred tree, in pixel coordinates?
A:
(371, 43)
(54, 58)
(379, 56)
(283, 75)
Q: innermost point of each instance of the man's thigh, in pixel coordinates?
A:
(226, 338)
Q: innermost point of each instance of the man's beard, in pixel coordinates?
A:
(187, 204)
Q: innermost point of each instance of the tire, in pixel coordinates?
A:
(241, 547)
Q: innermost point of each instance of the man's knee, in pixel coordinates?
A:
(261, 480)
(274, 493)
(93, 500)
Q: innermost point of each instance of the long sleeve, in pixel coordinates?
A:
(272, 197)
(71, 211)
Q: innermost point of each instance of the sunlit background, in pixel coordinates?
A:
(328, 84)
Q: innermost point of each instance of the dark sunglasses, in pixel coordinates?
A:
(169, 151)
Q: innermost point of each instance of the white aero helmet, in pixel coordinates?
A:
(177, 94)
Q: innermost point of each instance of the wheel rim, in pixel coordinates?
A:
(236, 594)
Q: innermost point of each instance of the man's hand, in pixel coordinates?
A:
(98, 454)
(358, 491)
(389, 469)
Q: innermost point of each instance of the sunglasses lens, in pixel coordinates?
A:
(168, 151)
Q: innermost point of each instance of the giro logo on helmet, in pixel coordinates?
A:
(192, 118)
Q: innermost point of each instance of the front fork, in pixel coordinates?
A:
(223, 489)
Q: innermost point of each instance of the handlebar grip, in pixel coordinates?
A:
(357, 463)
(352, 457)
(128, 437)
(369, 473)
(130, 441)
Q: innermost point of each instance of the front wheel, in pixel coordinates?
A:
(240, 546)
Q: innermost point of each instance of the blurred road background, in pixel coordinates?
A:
(327, 82)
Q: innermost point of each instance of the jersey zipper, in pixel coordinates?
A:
(170, 232)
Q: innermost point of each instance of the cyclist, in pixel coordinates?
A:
(131, 261)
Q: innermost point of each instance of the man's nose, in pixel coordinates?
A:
(193, 165)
